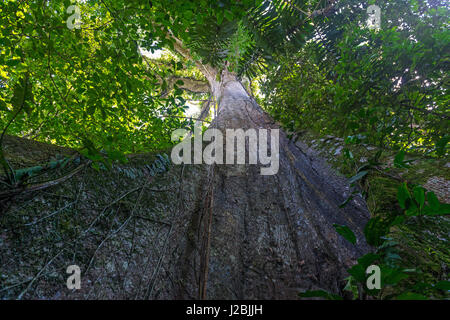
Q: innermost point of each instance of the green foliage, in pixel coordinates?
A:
(389, 87)
(386, 255)
(247, 34)
(85, 88)
(91, 88)
(239, 44)
(346, 232)
(386, 88)
(414, 202)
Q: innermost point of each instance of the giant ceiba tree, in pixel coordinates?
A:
(90, 87)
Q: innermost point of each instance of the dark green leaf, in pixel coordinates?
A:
(358, 176)
(346, 232)
(403, 195)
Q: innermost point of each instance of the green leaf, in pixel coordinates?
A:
(368, 259)
(442, 144)
(391, 276)
(220, 16)
(91, 110)
(358, 176)
(399, 160)
(358, 272)
(346, 232)
(419, 196)
(444, 208)
(397, 221)
(375, 229)
(3, 106)
(348, 154)
(412, 209)
(229, 15)
(12, 62)
(351, 286)
(22, 95)
(343, 204)
(399, 157)
(403, 195)
(433, 201)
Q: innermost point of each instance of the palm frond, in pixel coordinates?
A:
(271, 25)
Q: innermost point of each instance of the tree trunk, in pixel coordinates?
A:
(267, 236)
(195, 231)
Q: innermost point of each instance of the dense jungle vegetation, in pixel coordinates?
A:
(113, 79)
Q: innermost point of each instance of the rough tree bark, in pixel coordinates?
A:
(266, 237)
(196, 231)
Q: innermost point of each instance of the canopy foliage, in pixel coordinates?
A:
(103, 87)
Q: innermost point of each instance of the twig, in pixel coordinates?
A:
(158, 266)
(39, 274)
(50, 215)
(125, 223)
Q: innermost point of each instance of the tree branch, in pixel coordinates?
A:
(189, 84)
(208, 71)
